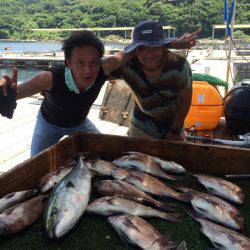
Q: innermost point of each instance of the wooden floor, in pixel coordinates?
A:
(220, 132)
(16, 134)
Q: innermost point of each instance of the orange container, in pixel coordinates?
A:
(206, 107)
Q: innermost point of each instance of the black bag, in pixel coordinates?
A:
(7, 103)
(237, 108)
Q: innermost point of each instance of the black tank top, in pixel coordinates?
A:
(65, 108)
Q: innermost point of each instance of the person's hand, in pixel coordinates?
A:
(7, 81)
(173, 137)
(186, 41)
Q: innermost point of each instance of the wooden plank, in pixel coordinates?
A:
(217, 160)
(27, 174)
(195, 157)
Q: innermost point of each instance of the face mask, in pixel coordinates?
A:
(70, 81)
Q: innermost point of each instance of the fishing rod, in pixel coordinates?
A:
(244, 142)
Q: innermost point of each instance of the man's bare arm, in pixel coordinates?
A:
(113, 62)
(42, 81)
(186, 41)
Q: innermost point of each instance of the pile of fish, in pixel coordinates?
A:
(129, 189)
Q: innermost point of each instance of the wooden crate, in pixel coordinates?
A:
(94, 232)
(216, 160)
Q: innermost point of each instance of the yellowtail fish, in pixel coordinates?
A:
(68, 201)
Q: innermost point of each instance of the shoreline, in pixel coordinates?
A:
(124, 41)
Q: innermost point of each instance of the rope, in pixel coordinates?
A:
(212, 80)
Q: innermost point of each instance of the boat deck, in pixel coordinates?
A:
(220, 132)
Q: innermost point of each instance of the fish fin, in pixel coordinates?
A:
(134, 176)
(175, 217)
(241, 196)
(174, 177)
(70, 185)
(217, 245)
(186, 197)
(164, 239)
(124, 238)
(130, 225)
(192, 213)
(8, 196)
(210, 191)
(184, 189)
(182, 246)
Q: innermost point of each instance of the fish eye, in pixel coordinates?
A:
(54, 211)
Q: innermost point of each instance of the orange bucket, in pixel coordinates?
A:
(206, 108)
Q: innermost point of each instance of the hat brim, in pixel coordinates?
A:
(133, 46)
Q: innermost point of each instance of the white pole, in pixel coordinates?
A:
(230, 49)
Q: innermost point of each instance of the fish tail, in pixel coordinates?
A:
(192, 214)
(165, 206)
(174, 217)
(182, 246)
(163, 241)
(186, 197)
(173, 177)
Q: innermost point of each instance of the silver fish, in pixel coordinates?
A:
(216, 209)
(128, 191)
(143, 163)
(222, 237)
(222, 188)
(147, 183)
(115, 205)
(68, 201)
(168, 166)
(139, 232)
(15, 198)
(48, 181)
(22, 215)
(100, 167)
